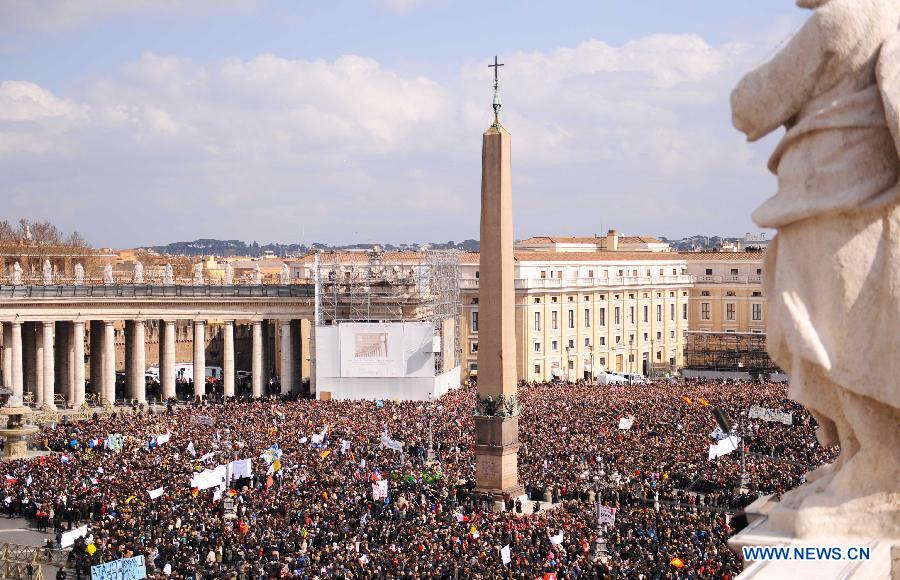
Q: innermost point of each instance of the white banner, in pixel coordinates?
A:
(606, 515)
(773, 415)
(209, 478)
(724, 447)
(626, 422)
(240, 468)
(164, 438)
(155, 493)
(121, 569)
(68, 538)
(202, 420)
(505, 555)
(380, 489)
(392, 444)
(557, 539)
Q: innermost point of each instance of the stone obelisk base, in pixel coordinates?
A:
(497, 455)
(883, 560)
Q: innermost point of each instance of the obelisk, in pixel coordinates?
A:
(496, 410)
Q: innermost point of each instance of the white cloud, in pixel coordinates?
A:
(26, 101)
(351, 150)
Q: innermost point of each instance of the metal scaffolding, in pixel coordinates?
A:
(375, 286)
(727, 351)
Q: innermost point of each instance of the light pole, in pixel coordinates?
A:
(568, 363)
(740, 432)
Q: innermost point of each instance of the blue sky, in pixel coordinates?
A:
(145, 121)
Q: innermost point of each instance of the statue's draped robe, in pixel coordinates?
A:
(832, 275)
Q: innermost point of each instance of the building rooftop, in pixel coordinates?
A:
(599, 240)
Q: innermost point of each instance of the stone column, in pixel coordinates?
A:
(109, 361)
(200, 357)
(496, 431)
(7, 354)
(70, 363)
(257, 358)
(29, 377)
(49, 364)
(287, 358)
(167, 360)
(78, 362)
(228, 358)
(38, 365)
(16, 374)
(137, 384)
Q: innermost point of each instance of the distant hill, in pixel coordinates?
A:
(212, 247)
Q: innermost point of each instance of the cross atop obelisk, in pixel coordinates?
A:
(497, 104)
(496, 409)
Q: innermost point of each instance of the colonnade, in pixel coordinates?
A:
(47, 358)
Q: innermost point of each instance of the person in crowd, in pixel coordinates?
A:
(309, 508)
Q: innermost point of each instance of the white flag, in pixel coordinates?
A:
(505, 555)
(190, 449)
(380, 489)
(626, 423)
(155, 493)
(164, 438)
(392, 444)
(557, 539)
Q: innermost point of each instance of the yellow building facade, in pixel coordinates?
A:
(581, 312)
(727, 294)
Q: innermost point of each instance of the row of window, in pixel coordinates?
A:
(554, 344)
(617, 313)
(602, 297)
(734, 271)
(730, 311)
(558, 274)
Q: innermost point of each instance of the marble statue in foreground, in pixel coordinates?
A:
(832, 275)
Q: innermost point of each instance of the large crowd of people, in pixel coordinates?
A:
(310, 508)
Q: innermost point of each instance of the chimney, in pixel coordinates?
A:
(612, 240)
